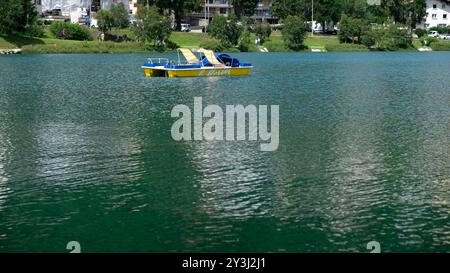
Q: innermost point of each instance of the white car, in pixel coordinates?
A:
(444, 36)
(433, 33)
(185, 27)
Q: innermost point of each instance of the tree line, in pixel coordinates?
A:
(18, 16)
(386, 26)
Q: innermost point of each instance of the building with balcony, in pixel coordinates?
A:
(438, 14)
(209, 8)
(262, 12)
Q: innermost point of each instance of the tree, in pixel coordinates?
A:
(284, 8)
(226, 30)
(105, 20)
(388, 36)
(120, 16)
(152, 27)
(417, 11)
(9, 9)
(263, 31)
(326, 11)
(294, 32)
(244, 7)
(179, 7)
(351, 29)
(17, 16)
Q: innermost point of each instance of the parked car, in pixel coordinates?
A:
(433, 33)
(185, 27)
(132, 19)
(444, 36)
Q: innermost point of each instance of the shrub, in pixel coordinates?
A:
(420, 32)
(226, 30)
(294, 33)
(369, 38)
(263, 31)
(428, 41)
(441, 46)
(72, 31)
(393, 37)
(441, 30)
(245, 41)
(35, 30)
(398, 37)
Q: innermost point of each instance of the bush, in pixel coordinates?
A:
(369, 38)
(72, 31)
(428, 41)
(294, 33)
(441, 30)
(35, 31)
(226, 30)
(441, 46)
(245, 41)
(393, 37)
(263, 31)
(399, 37)
(420, 32)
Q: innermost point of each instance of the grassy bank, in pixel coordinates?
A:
(441, 46)
(327, 42)
(191, 40)
(51, 45)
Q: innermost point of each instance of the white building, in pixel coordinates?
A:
(71, 5)
(438, 14)
(38, 4)
(133, 6)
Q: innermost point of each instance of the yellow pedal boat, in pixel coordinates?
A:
(207, 64)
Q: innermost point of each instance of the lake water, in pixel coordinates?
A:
(86, 155)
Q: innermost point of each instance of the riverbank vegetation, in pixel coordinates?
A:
(361, 28)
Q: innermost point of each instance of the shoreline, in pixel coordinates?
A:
(316, 44)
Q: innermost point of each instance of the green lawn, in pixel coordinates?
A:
(189, 39)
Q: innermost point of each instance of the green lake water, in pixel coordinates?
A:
(86, 155)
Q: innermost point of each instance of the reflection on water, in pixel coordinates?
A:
(86, 155)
